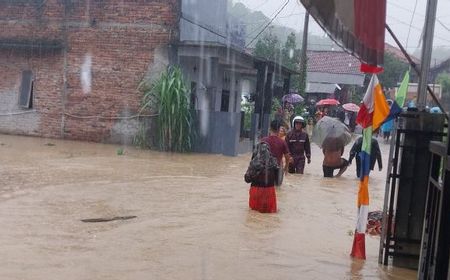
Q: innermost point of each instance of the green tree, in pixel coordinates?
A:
(290, 53)
(301, 80)
(394, 70)
(444, 80)
(291, 59)
(268, 47)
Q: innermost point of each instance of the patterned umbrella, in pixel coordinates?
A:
(292, 98)
(328, 101)
(352, 107)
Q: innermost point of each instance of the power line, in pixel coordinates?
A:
(202, 26)
(267, 25)
(440, 22)
(263, 20)
(416, 28)
(254, 30)
(265, 2)
(405, 9)
(410, 23)
(405, 23)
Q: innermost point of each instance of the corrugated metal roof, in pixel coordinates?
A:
(320, 87)
(346, 79)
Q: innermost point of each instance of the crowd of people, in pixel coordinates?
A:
(287, 149)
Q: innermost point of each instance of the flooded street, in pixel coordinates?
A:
(193, 220)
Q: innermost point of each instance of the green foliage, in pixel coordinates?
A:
(276, 104)
(141, 138)
(299, 110)
(291, 59)
(248, 109)
(267, 47)
(394, 70)
(301, 84)
(290, 53)
(169, 97)
(120, 151)
(444, 80)
(357, 94)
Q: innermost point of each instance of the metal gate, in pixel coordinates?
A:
(406, 188)
(434, 255)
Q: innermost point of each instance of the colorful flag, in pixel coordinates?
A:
(356, 25)
(372, 114)
(400, 96)
(374, 109)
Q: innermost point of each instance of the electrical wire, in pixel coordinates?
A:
(417, 28)
(405, 9)
(202, 26)
(267, 25)
(277, 11)
(442, 24)
(410, 24)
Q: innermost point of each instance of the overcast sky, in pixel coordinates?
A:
(399, 17)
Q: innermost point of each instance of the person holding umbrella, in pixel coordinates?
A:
(333, 149)
(299, 146)
(332, 136)
(350, 117)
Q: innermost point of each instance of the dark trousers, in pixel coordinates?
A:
(328, 170)
(298, 166)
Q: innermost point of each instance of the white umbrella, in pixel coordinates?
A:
(333, 130)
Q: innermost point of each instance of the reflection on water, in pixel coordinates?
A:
(192, 222)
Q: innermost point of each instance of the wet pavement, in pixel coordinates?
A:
(192, 222)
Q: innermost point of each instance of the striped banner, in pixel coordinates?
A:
(372, 114)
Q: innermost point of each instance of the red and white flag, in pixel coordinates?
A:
(356, 25)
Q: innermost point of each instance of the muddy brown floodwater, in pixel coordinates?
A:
(192, 222)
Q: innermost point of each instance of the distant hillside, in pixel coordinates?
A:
(437, 56)
(254, 22)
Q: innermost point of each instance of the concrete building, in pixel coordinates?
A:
(70, 69)
(212, 55)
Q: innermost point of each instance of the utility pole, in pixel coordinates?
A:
(303, 57)
(426, 54)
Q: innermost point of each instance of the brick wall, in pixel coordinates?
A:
(81, 88)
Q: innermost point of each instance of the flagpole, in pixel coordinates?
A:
(426, 54)
(414, 67)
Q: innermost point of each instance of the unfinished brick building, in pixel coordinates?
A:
(70, 69)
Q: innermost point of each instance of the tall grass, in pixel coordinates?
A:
(169, 97)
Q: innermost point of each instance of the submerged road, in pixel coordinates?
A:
(192, 217)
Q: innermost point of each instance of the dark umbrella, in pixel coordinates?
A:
(292, 98)
(331, 132)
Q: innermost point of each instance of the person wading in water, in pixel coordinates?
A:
(299, 146)
(262, 174)
(333, 149)
(278, 148)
